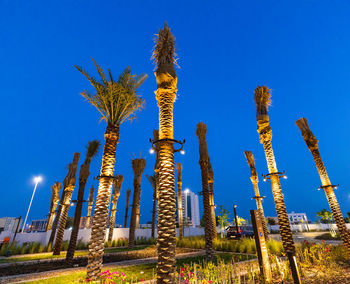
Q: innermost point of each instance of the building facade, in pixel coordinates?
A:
(38, 225)
(297, 218)
(190, 208)
(9, 224)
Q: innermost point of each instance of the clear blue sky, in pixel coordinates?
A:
(225, 49)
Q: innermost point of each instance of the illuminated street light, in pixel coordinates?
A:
(151, 151)
(36, 181)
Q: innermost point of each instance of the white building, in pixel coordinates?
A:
(190, 208)
(297, 218)
(9, 224)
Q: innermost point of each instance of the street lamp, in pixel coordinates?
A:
(36, 180)
(236, 221)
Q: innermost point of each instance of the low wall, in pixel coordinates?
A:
(308, 227)
(84, 234)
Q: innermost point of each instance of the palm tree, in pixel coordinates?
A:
(92, 149)
(179, 199)
(156, 178)
(128, 192)
(90, 203)
(164, 57)
(68, 187)
(117, 102)
(262, 99)
(254, 178)
(53, 204)
(116, 193)
(56, 220)
(138, 166)
(312, 144)
(203, 162)
(211, 197)
(152, 181)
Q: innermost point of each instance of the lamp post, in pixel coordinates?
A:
(236, 221)
(36, 180)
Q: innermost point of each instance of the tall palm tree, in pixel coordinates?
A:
(312, 144)
(211, 198)
(117, 101)
(56, 220)
(179, 199)
(138, 166)
(258, 198)
(116, 193)
(152, 181)
(92, 149)
(263, 99)
(203, 162)
(90, 203)
(68, 187)
(164, 57)
(128, 192)
(53, 203)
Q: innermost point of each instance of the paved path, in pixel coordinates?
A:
(61, 272)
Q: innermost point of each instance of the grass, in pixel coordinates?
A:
(135, 273)
(49, 255)
(328, 236)
(246, 245)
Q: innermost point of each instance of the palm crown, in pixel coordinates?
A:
(118, 100)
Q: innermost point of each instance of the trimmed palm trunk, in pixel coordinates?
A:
(90, 203)
(152, 181)
(262, 100)
(68, 187)
(56, 220)
(99, 222)
(163, 54)
(117, 101)
(211, 198)
(116, 193)
(156, 180)
(312, 144)
(203, 162)
(128, 192)
(138, 166)
(84, 174)
(179, 199)
(53, 204)
(258, 198)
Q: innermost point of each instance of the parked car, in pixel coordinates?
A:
(231, 232)
(247, 231)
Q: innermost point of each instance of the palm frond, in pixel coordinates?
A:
(92, 149)
(262, 96)
(117, 101)
(152, 180)
(164, 51)
(251, 162)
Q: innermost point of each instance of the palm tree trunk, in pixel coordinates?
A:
(83, 176)
(254, 179)
(56, 220)
(127, 208)
(166, 205)
(179, 199)
(54, 201)
(138, 166)
(211, 199)
(116, 193)
(262, 98)
(99, 224)
(91, 202)
(68, 184)
(204, 163)
(312, 144)
(156, 182)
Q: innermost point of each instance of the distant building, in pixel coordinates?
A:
(83, 220)
(9, 224)
(38, 225)
(190, 208)
(297, 218)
